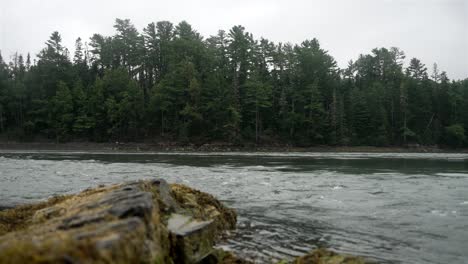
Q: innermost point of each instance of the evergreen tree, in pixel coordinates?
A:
(257, 102)
(61, 112)
(82, 119)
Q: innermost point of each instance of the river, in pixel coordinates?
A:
(394, 208)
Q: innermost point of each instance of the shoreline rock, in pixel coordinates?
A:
(135, 222)
(124, 223)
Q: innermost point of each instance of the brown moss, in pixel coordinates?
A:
(324, 256)
(230, 258)
(20, 217)
(82, 227)
(60, 247)
(205, 206)
(220, 256)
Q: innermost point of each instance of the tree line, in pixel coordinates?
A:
(168, 83)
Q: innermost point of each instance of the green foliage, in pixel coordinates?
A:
(61, 112)
(257, 102)
(169, 83)
(82, 118)
(455, 135)
(361, 119)
(315, 119)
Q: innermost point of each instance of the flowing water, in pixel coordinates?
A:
(394, 208)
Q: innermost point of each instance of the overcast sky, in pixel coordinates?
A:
(431, 30)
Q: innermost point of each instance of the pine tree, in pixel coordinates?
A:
(61, 112)
(257, 102)
(82, 119)
(315, 114)
(78, 57)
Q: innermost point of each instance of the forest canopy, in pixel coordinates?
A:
(169, 83)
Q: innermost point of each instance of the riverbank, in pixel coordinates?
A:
(215, 147)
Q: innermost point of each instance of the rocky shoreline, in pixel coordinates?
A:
(212, 147)
(135, 222)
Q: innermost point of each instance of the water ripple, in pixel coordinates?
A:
(395, 208)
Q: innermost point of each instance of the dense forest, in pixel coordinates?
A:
(168, 83)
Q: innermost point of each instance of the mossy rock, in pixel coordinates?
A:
(123, 223)
(324, 256)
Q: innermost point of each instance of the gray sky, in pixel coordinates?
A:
(431, 30)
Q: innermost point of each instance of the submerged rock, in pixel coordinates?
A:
(138, 222)
(324, 256)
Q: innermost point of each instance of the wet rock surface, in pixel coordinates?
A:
(4, 207)
(138, 222)
(324, 256)
(191, 237)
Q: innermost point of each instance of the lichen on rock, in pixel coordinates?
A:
(124, 223)
(204, 206)
(12, 219)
